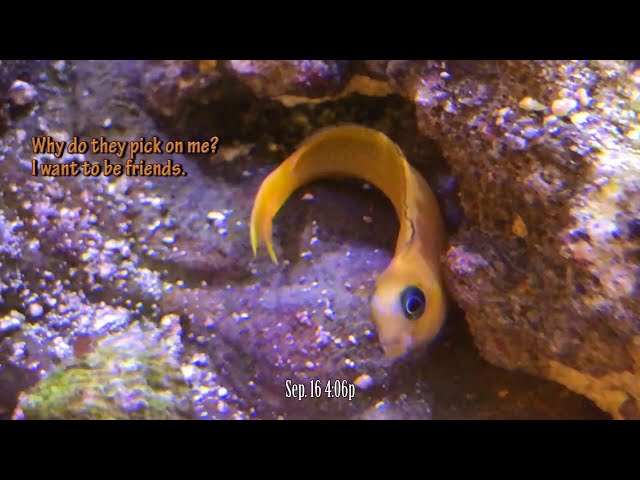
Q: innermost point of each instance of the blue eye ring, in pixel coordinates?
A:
(413, 302)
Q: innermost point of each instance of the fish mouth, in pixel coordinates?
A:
(396, 348)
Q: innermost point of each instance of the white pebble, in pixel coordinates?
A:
(22, 93)
(223, 408)
(528, 103)
(35, 310)
(583, 97)
(10, 322)
(113, 244)
(187, 371)
(579, 118)
(363, 382)
(450, 107)
(563, 106)
(217, 218)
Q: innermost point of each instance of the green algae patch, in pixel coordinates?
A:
(130, 375)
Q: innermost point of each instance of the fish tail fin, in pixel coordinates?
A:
(343, 151)
(273, 193)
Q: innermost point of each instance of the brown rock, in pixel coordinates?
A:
(563, 302)
(306, 78)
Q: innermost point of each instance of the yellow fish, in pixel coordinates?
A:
(408, 306)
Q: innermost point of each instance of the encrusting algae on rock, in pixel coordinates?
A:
(130, 375)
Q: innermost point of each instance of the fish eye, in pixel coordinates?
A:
(413, 302)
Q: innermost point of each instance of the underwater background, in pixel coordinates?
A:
(138, 297)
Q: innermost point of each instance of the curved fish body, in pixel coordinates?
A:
(408, 306)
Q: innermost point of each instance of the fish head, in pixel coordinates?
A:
(408, 306)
